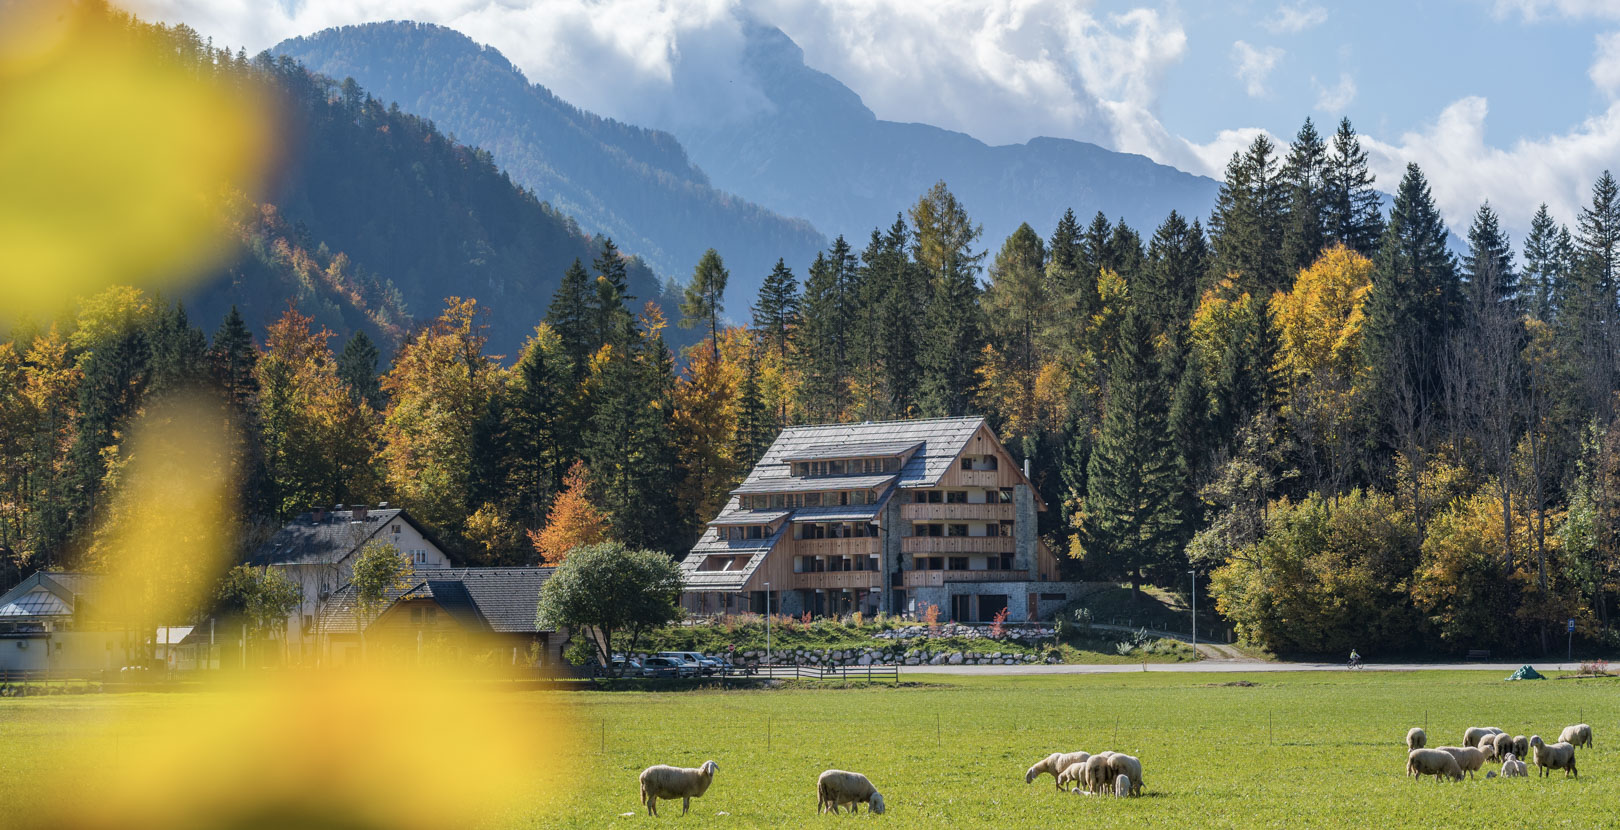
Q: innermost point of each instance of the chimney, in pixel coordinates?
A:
(318, 515)
(1026, 467)
(359, 513)
(382, 505)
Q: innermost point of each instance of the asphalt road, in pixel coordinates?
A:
(1548, 669)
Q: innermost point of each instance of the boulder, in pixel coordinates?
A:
(956, 658)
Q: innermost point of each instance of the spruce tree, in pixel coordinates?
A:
(357, 367)
(1124, 251)
(572, 316)
(900, 284)
(1246, 226)
(629, 447)
(1073, 284)
(612, 322)
(233, 358)
(1543, 271)
(755, 427)
(1589, 317)
(1409, 311)
(1094, 248)
(1488, 265)
(705, 296)
(538, 445)
(1177, 261)
(821, 350)
(178, 351)
(1353, 213)
(1304, 177)
(776, 312)
(1134, 480)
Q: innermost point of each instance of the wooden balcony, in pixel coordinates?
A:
(838, 579)
(934, 579)
(977, 478)
(958, 512)
(858, 546)
(958, 544)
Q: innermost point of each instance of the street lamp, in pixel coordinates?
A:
(1194, 575)
(767, 623)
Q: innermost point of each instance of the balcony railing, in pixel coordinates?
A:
(838, 579)
(934, 579)
(963, 512)
(958, 544)
(978, 478)
(854, 546)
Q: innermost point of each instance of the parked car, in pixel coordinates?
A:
(696, 661)
(666, 667)
(622, 667)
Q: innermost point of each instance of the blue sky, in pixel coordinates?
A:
(1511, 101)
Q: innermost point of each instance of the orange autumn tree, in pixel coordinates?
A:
(573, 520)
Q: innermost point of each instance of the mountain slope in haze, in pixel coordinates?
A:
(633, 184)
(816, 151)
(415, 216)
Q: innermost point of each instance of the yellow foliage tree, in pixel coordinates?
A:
(704, 423)
(573, 521)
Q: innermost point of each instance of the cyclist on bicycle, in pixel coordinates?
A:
(1355, 659)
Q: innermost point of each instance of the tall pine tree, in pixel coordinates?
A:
(1543, 269)
(1353, 214)
(1246, 226)
(951, 330)
(705, 296)
(776, 312)
(357, 367)
(1304, 177)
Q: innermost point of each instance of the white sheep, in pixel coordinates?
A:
(835, 788)
(1502, 745)
(1469, 758)
(1122, 785)
(1096, 774)
(1435, 762)
(1578, 735)
(1487, 746)
(1547, 757)
(1073, 773)
(1416, 738)
(1512, 767)
(1474, 734)
(1121, 764)
(662, 781)
(1053, 765)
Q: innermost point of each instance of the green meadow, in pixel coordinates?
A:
(1291, 750)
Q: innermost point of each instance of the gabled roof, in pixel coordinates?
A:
(853, 449)
(731, 514)
(499, 600)
(329, 540)
(57, 593)
(840, 513)
(729, 580)
(942, 439)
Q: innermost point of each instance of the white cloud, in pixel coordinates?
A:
(1254, 66)
(1297, 17)
(1544, 9)
(1605, 71)
(1335, 99)
(1463, 171)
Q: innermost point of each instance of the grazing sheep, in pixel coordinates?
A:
(1121, 764)
(1487, 747)
(1521, 746)
(1512, 767)
(1435, 762)
(1096, 775)
(1122, 785)
(1578, 735)
(1547, 757)
(1501, 744)
(1074, 772)
(1469, 758)
(1054, 765)
(1474, 734)
(1416, 738)
(660, 781)
(836, 788)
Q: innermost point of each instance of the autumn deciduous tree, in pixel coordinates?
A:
(573, 521)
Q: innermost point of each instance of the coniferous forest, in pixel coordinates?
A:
(1360, 425)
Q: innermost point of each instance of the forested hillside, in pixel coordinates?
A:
(633, 184)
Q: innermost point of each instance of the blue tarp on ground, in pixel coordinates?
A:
(1526, 673)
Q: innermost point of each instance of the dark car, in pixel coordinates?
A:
(666, 667)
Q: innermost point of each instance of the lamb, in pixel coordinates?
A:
(1578, 735)
(1054, 765)
(1416, 738)
(1074, 772)
(1547, 757)
(1512, 767)
(1435, 762)
(1122, 785)
(836, 788)
(1121, 764)
(1469, 758)
(661, 781)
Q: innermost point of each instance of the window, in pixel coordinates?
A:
(812, 499)
(1006, 562)
(416, 615)
(967, 463)
(1054, 597)
(1004, 529)
(860, 563)
(396, 529)
(756, 532)
(871, 563)
(956, 497)
(931, 563)
(858, 497)
(959, 563)
(956, 530)
(835, 468)
(798, 564)
(1006, 495)
(928, 530)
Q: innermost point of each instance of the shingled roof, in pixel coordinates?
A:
(328, 537)
(498, 600)
(63, 593)
(942, 439)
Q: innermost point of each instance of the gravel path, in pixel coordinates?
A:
(1244, 665)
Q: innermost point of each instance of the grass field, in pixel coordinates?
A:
(1295, 750)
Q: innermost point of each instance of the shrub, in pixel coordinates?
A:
(997, 622)
(931, 616)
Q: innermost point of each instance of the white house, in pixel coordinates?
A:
(317, 550)
(47, 623)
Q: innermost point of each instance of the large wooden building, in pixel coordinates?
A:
(891, 516)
